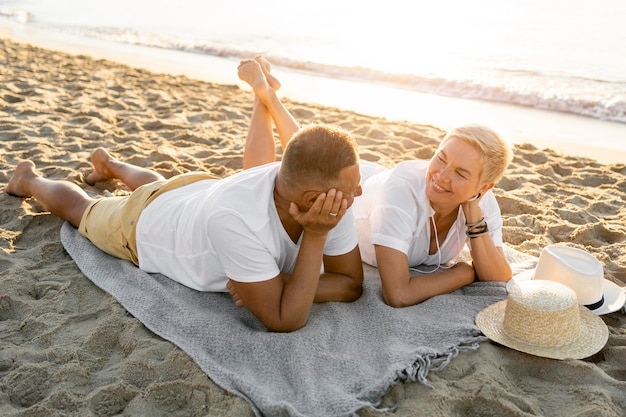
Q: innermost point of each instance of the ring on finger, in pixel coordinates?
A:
(333, 214)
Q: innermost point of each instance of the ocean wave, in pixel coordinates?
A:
(16, 15)
(600, 99)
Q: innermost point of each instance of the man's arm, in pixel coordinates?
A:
(343, 284)
(283, 303)
(342, 279)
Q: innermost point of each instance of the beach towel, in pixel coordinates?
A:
(345, 359)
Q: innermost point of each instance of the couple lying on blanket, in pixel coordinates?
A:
(264, 234)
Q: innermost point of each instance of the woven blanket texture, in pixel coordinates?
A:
(344, 359)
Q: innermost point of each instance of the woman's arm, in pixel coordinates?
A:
(488, 259)
(401, 290)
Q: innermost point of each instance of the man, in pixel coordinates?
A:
(262, 234)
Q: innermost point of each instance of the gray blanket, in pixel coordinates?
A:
(344, 359)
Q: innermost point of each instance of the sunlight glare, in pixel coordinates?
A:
(427, 35)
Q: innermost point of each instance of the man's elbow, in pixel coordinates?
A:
(354, 292)
(354, 288)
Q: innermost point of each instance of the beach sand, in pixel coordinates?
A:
(68, 348)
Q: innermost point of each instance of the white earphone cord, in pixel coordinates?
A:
(432, 218)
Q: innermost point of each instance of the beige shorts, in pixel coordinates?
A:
(110, 223)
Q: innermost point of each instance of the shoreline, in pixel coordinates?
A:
(565, 133)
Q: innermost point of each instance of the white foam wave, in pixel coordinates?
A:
(16, 15)
(593, 98)
(604, 100)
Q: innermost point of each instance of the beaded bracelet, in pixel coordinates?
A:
(476, 229)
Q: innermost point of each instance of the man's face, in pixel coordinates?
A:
(349, 183)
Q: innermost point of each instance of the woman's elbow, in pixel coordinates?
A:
(503, 274)
(285, 327)
(396, 299)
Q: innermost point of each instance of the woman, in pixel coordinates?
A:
(420, 213)
(424, 212)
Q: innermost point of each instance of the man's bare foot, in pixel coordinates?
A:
(17, 185)
(250, 71)
(267, 68)
(101, 172)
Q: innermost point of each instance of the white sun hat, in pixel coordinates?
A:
(580, 271)
(543, 318)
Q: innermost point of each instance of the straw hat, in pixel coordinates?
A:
(580, 271)
(543, 318)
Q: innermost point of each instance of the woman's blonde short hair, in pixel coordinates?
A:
(497, 152)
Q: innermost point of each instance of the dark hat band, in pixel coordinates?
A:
(596, 305)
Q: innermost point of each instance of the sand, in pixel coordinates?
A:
(68, 348)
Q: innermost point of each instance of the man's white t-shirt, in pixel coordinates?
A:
(205, 233)
(394, 212)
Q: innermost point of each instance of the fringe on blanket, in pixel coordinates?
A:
(436, 362)
(424, 364)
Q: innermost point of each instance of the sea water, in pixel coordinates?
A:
(565, 56)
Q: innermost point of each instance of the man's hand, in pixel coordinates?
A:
(283, 303)
(324, 214)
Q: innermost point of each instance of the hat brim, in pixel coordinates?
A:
(614, 295)
(592, 337)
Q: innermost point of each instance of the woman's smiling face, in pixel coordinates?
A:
(454, 172)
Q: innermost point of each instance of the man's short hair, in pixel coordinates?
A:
(316, 155)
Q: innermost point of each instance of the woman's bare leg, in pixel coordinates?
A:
(64, 199)
(106, 167)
